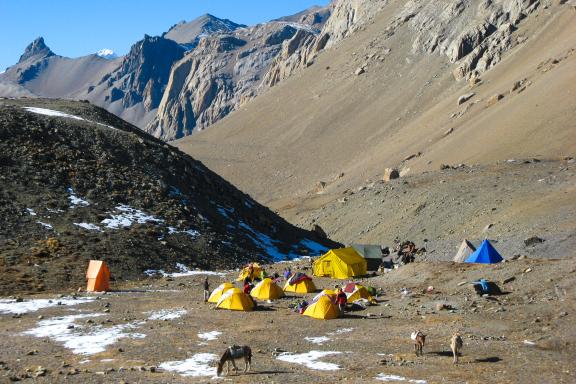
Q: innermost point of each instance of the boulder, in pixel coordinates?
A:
(464, 98)
(390, 174)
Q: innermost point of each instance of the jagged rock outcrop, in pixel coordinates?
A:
(473, 35)
(218, 76)
(189, 33)
(36, 49)
(144, 73)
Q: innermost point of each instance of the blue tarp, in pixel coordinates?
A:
(485, 254)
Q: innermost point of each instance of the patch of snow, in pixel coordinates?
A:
(385, 377)
(184, 271)
(50, 112)
(341, 331)
(317, 340)
(190, 232)
(84, 361)
(31, 212)
(209, 336)
(75, 201)
(106, 360)
(196, 366)
(310, 359)
(45, 225)
(226, 212)
(11, 306)
(81, 339)
(316, 248)
(264, 242)
(167, 314)
(129, 216)
(107, 54)
(88, 226)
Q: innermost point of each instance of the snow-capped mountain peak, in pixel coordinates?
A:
(107, 54)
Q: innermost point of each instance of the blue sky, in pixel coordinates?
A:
(75, 28)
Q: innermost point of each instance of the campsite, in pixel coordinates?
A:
(159, 330)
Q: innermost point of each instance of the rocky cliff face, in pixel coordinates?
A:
(143, 74)
(473, 35)
(218, 76)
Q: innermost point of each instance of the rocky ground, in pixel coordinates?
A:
(507, 202)
(525, 335)
(78, 183)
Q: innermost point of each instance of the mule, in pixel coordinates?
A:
(231, 354)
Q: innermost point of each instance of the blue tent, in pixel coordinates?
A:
(485, 254)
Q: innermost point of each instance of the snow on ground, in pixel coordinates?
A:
(385, 377)
(166, 314)
(342, 330)
(88, 226)
(310, 360)
(31, 212)
(45, 225)
(83, 339)
(225, 212)
(263, 241)
(209, 336)
(196, 366)
(316, 248)
(184, 271)
(75, 201)
(317, 340)
(50, 112)
(11, 306)
(189, 232)
(129, 216)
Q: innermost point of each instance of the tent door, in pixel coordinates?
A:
(327, 267)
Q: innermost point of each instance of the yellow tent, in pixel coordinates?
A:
(340, 263)
(236, 300)
(324, 308)
(304, 286)
(217, 293)
(326, 292)
(256, 269)
(267, 290)
(360, 292)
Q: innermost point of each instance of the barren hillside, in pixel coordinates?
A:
(329, 124)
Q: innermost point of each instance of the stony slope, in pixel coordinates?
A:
(329, 124)
(88, 185)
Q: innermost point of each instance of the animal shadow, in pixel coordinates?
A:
(442, 353)
(491, 359)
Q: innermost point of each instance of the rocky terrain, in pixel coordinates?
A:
(160, 331)
(383, 98)
(78, 183)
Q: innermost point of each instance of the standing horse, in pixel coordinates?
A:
(232, 353)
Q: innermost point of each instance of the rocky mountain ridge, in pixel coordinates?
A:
(133, 86)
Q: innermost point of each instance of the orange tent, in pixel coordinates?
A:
(98, 276)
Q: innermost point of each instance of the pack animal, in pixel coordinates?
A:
(231, 354)
(419, 340)
(456, 345)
